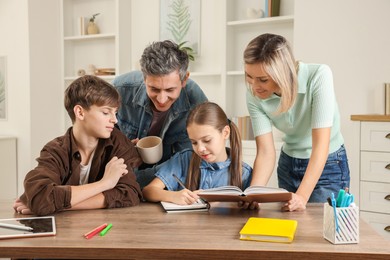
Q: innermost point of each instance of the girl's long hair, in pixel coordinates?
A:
(211, 114)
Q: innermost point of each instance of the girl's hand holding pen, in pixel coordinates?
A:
(185, 197)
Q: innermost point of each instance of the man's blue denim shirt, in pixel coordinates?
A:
(135, 114)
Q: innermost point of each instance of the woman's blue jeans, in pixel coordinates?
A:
(334, 177)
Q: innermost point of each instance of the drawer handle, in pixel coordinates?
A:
(388, 136)
(388, 166)
(387, 197)
(387, 228)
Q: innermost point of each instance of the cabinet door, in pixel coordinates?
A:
(8, 176)
(375, 196)
(375, 136)
(380, 222)
(375, 166)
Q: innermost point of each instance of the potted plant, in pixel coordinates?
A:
(188, 50)
(92, 27)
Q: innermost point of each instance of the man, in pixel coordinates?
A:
(157, 100)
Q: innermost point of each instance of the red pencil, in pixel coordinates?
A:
(95, 231)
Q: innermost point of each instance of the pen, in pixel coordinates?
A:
(104, 231)
(335, 212)
(18, 227)
(340, 198)
(95, 231)
(179, 181)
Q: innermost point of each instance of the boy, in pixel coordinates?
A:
(91, 165)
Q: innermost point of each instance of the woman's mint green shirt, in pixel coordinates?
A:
(315, 107)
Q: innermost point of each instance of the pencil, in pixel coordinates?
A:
(95, 231)
(18, 227)
(179, 181)
(104, 231)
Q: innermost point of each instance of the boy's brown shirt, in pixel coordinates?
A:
(47, 187)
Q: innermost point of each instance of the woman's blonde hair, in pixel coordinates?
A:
(274, 53)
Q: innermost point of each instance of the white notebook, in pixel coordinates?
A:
(197, 206)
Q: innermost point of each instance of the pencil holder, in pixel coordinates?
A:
(344, 230)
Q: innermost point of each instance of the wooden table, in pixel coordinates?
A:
(147, 232)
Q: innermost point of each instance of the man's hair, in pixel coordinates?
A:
(87, 91)
(162, 58)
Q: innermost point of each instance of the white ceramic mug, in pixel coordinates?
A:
(150, 149)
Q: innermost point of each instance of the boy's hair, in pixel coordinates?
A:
(162, 58)
(274, 53)
(209, 113)
(87, 91)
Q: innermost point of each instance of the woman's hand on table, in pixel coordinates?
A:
(297, 203)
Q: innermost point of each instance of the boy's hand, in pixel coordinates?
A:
(21, 208)
(185, 197)
(135, 141)
(115, 169)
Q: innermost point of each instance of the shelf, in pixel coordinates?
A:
(235, 73)
(205, 74)
(90, 37)
(265, 21)
(108, 78)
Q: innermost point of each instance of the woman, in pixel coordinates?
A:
(299, 100)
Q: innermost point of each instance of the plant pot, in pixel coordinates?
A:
(92, 28)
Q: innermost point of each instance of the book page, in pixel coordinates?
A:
(263, 190)
(226, 190)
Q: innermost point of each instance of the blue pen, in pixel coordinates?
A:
(346, 200)
(335, 212)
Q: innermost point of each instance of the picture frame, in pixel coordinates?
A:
(3, 88)
(180, 22)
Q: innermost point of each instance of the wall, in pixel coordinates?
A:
(15, 45)
(352, 36)
(30, 42)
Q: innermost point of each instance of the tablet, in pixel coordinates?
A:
(27, 227)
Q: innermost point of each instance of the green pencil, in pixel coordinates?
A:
(104, 231)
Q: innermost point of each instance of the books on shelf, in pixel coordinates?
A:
(271, 8)
(254, 193)
(244, 125)
(269, 230)
(197, 206)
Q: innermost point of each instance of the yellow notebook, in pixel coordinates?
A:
(269, 230)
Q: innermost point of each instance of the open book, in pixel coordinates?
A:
(253, 193)
(197, 206)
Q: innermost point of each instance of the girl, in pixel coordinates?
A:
(299, 100)
(210, 164)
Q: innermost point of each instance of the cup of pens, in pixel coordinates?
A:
(341, 219)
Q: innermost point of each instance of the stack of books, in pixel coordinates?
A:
(244, 125)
